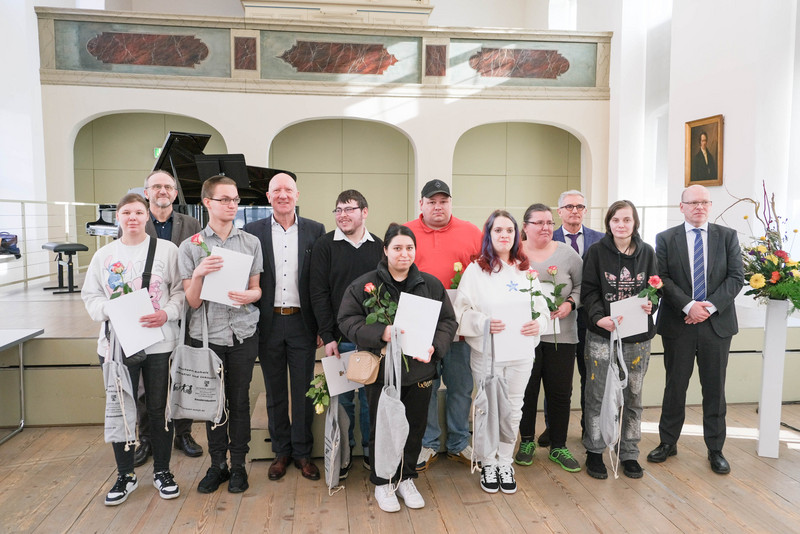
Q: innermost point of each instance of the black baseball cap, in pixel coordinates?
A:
(433, 187)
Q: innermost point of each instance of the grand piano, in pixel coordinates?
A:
(183, 157)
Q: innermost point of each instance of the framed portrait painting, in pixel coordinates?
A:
(703, 164)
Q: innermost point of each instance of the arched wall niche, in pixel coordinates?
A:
(333, 154)
(511, 165)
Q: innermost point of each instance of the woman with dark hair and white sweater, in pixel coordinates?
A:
(497, 277)
(615, 268)
(122, 263)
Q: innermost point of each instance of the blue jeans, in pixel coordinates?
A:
(347, 400)
(457, 375)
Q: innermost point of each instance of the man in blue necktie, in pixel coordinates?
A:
(697, 320)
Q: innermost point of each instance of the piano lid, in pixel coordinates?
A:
(182, 156)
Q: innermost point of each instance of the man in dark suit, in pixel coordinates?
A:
(160, 189)
(287, 326)
(572, 210)
(703, 166)
(697, 319)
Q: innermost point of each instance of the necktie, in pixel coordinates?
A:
(574, 239)
(699, 274)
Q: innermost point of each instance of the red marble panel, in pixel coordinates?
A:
(435, 60)
(519, 63)
(244, 53)
(148, 49)
(339, 58)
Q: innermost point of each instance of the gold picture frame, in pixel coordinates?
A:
(704, 167)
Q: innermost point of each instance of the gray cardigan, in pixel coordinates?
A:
(570, 272)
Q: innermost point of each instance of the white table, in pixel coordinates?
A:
(9, 338)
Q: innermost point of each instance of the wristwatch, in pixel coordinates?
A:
(571, 302)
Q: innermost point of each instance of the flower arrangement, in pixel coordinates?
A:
(768, 268)
(654, 283)
(382, 309)
(459, 270)
(197, 239)
(319, 394)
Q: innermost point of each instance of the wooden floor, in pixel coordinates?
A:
(55, 479)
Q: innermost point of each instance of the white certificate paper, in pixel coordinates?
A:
(335, 370)
(635, 319)
(510, 344)
(124, 313)
(233, 276)
(418, 317)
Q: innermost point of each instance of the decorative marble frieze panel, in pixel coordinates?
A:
(435, 60)
(245, 53)
(147, 49)
(142, 49)
(340, 58)
(548, 63)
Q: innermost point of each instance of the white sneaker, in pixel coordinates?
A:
(165, 483)
(426, 457)
(408, 491)
(122, 487)
(507, 482)
(489, 482)
(386, 499)
(465, 456)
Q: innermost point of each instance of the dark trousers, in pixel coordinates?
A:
(579, 361)
(234, 435)
(182, 426)
(552, 367)
(155, 373)
(415, 398)
(290, 346)
(701, 342)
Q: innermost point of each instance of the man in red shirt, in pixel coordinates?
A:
(443, 241)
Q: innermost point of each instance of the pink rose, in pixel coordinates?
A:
(197, 239)
(532, 274)
(369, 287)
(552, 270)
(655, 282)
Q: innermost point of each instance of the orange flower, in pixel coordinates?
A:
(775, 277)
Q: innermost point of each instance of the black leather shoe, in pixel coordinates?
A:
(142, 452)
(188, 445)
(662, 452)
(718, 463)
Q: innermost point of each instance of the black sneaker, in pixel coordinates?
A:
(489, 481)
(507, 482)
(216, 475)
(238, 483)
(123, 486)
(165, 483)
(595, 466)
(632, 469)
(344, 471)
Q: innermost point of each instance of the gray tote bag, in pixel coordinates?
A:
(391, 425)
(337, 444)
(196, 380)
(120, 416)
(491, 410)
(613, 398)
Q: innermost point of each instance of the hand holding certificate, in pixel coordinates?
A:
(417, 318)
(336, 373)
(233, 276)
(635, 318)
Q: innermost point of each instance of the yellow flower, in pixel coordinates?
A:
(457, 267)
(762, 249)
(795, 273)
(757, 281)
(746, 217)
(791, 263)
(773, 258)
(795, 230)
(320, 408)
(762, 238)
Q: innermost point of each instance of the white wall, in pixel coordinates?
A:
(736, 59)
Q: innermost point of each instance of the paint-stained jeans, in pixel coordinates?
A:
(596, 358)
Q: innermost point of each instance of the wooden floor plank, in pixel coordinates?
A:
(55, 480)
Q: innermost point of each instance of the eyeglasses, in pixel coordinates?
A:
(541, 223)
(702, 203)
(348, 210)
(572, 207)
(227, 201)
(159, 187)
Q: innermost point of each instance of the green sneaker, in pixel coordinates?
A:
(525, 453)
(565, 459)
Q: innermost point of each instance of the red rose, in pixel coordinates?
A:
(655, 282)
(369, 287)
(197, 239)
(782, 254)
